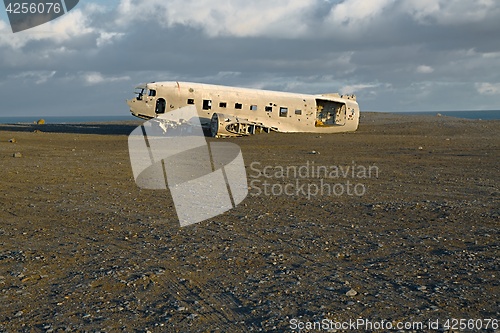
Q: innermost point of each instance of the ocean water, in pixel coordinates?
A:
(64, 119)
(484, 115)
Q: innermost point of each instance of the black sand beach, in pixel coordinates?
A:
(83, 249)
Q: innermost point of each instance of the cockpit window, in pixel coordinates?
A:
(152, 92)
(139, 92)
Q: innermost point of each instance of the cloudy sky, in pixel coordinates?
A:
(395, 55)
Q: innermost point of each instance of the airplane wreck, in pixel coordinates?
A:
(231, 111)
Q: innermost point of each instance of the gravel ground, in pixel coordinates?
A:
(83, 249)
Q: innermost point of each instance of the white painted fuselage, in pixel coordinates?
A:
(232, 111)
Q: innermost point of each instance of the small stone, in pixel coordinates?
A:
(422, 288)
(351, 293)
(17, 155)
(19, 314)
(314, 152)
(420, 148)
(13, 140)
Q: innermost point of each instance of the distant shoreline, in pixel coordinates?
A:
(484, 115)
(65, 119)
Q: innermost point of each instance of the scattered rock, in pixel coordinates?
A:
(17, 155)
(351, 293)
(314, 152)
(420, 148)
(439, 115)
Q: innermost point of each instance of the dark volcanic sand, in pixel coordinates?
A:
(82, 248)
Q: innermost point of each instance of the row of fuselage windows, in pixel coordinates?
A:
(207, 105)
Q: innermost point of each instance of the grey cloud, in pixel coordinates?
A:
(377, 55)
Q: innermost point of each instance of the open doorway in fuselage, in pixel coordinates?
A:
(161, 105)
(330, 113)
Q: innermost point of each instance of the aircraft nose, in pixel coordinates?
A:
(131, 105)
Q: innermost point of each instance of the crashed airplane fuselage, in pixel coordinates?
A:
(232, 111)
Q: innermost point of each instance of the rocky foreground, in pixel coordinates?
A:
(83, 249)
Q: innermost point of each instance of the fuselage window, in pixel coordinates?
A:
(269, 109)
(222, 104)
(207, 104)
(283, 112)
(160, 106)
(253, 107)
(238, 106)
(190, 101)
(298, 111)
(152, 93)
